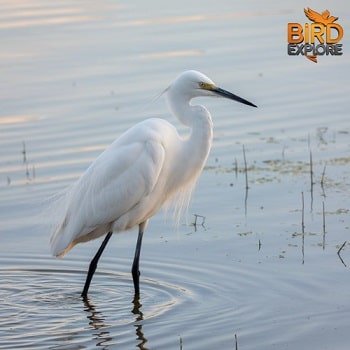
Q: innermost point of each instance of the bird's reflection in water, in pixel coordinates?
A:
(97, 322)
(139, 317)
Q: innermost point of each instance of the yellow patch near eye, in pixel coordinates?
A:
(206, 86)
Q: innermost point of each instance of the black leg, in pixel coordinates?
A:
(93, 265)
(135, 265)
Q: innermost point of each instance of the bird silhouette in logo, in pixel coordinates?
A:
(323, 18)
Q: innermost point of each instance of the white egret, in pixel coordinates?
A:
(146, 166)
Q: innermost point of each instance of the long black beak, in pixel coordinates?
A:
(231, 96)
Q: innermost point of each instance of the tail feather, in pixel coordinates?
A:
(68, 234)
(59, 242)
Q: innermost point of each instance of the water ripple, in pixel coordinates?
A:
(45, 303)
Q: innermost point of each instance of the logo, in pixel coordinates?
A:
(315, 39)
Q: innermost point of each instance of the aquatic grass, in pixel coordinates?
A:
(339, 251)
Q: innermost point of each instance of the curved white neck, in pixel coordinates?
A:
(198, 118)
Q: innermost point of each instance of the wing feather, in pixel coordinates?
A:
(313, 15)
(123, 175)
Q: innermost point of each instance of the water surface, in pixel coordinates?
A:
(75, 75)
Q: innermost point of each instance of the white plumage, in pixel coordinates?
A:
(146, 166)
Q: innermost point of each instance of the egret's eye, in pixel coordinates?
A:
(206, 86)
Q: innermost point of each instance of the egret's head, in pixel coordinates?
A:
(192, 84)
